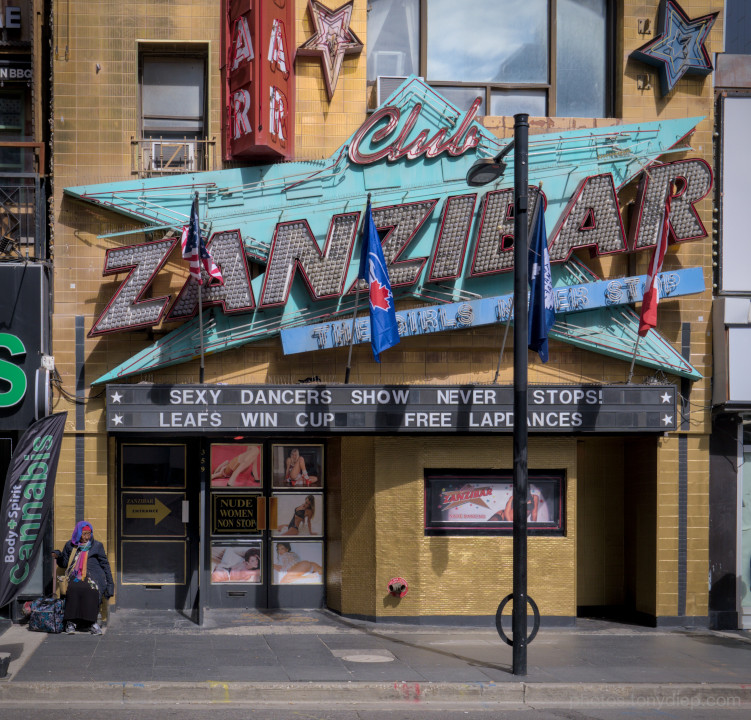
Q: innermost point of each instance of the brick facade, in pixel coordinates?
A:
(375, 491)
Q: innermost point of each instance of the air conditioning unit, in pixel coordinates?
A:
(172, 156)
(386, 84)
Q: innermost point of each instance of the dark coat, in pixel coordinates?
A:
(97, 566)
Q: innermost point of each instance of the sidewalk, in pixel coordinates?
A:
(148, 656)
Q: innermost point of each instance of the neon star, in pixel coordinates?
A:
(333, 40)
(678, 47)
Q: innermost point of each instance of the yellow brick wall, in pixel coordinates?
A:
(383, 512)
(697, 563)
(95, 117)
(323, 126)
(355, 575)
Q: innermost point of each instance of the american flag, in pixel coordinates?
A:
(194, 250)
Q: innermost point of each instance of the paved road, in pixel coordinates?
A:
(394, 711)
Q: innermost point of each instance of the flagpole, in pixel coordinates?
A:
(354, 314)
(633, 360)
(200, 296)
(651, 294)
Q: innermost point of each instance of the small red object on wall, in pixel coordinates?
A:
(398, 587)
(258, 80)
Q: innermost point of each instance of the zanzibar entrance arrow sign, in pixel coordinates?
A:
(445, 243)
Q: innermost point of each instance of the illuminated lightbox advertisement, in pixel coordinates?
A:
(465, 503)
(236, 562)
(236, 465)
(297, 466)
(297, 563)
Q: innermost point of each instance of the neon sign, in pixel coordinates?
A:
(257, 80)
(444, 244)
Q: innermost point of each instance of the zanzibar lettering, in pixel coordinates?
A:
(295, 249)
(25, 510)
(456, 498)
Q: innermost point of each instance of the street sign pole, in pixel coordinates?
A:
(521, 175)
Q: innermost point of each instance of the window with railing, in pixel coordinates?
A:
(172, 114)
(542, 57)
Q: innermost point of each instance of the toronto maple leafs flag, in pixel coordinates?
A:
(541, 305)
(384, 332)
(194, 250)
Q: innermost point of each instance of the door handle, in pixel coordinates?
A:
(186, 511)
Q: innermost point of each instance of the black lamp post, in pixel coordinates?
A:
(481, 173)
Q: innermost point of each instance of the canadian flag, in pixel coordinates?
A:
(648, 317)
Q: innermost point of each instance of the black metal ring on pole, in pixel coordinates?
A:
(499, 617)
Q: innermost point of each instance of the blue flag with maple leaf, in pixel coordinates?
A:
(384, 332)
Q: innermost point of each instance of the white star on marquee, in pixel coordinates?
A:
(117, 419)
(333, 40)
(667, 420)
(116, 397)
(666, 398)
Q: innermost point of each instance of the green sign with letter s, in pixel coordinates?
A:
(10, 373)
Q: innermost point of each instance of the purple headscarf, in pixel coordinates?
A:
(75, 538)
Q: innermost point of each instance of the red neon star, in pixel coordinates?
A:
(379, 296)
(333, 40)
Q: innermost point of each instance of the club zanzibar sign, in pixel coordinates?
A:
(444, 243)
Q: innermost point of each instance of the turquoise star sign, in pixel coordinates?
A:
(678, 47)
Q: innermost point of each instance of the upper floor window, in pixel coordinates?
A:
(542, 57)
(173, 112)
(12, 124)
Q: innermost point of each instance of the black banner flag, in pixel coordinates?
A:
(27, 501)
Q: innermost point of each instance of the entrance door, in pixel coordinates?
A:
(158, 527)
(265, 520)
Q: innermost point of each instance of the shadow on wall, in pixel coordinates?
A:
(439, 554)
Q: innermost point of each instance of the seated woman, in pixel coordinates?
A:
(295, 472)
(292, 566)
(89, 579)
(303, 515)
(234, 468)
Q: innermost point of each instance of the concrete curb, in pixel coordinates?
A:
(665, 695)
